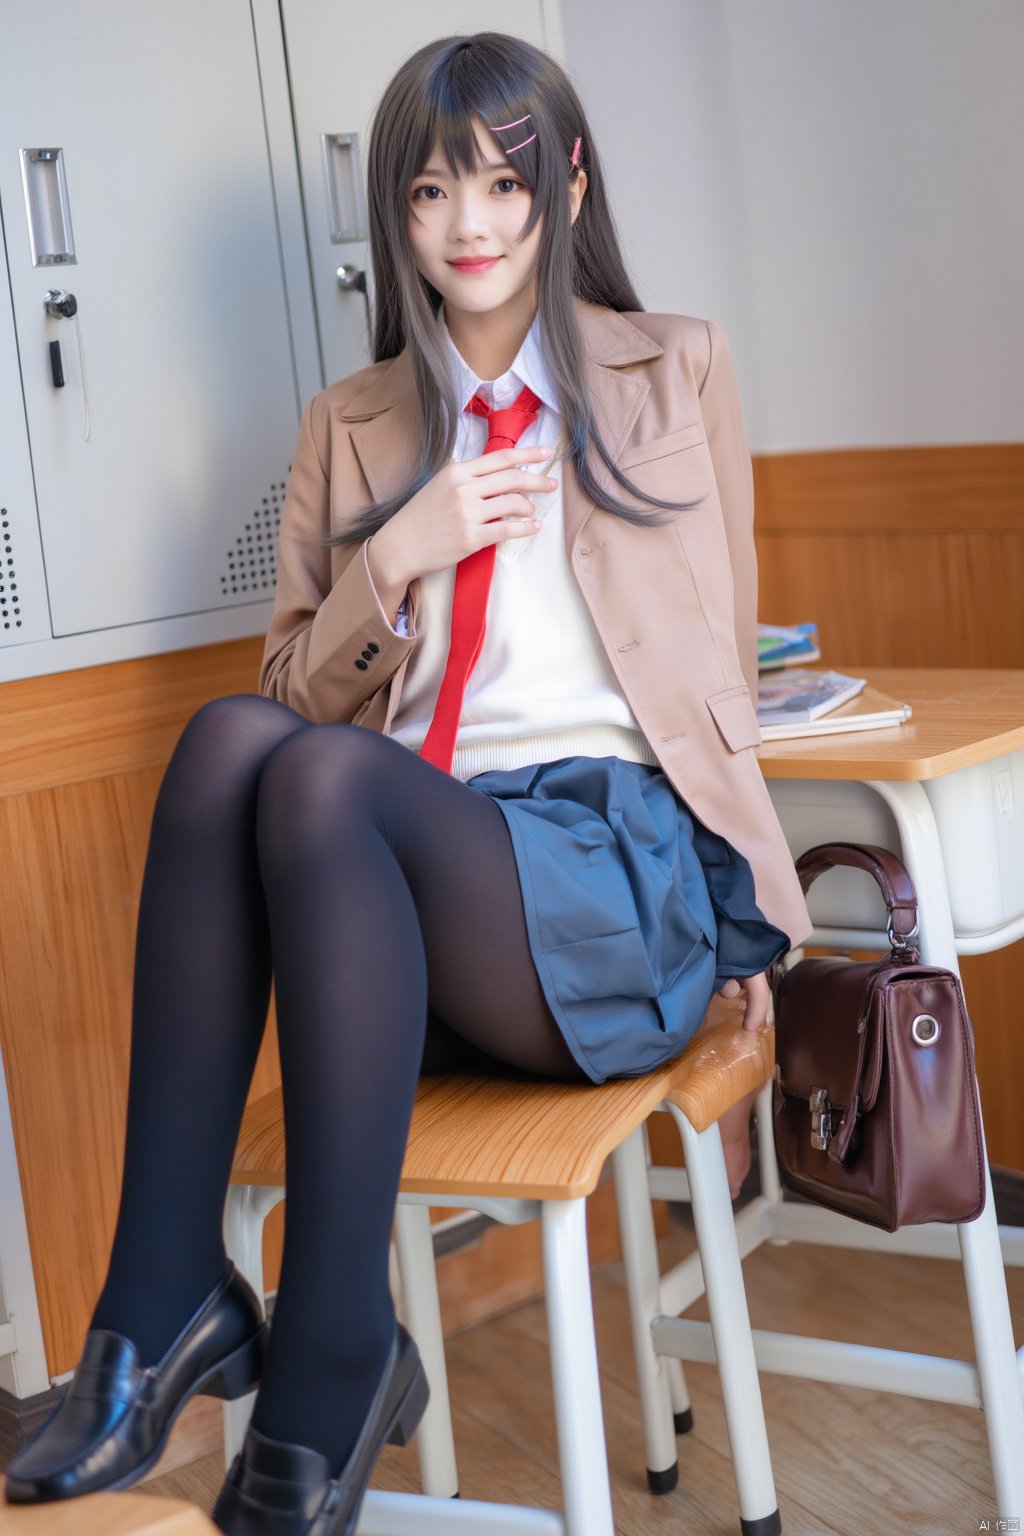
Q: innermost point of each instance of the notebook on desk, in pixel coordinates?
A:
(869, 710)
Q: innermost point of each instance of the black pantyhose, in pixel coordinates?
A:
(383, 897)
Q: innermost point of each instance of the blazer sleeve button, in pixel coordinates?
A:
(361, 665)
(367, 655)
(371, 645)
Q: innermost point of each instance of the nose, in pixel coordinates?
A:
(469, 214)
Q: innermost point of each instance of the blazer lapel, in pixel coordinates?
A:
(617, 398)
(385, 423)
(385, 428)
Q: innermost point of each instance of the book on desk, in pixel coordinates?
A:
(794, 700)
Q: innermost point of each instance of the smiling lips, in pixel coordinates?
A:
(475, 265)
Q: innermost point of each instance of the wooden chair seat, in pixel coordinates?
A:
(534, 1139)
(106, 1514)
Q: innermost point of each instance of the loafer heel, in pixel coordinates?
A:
(240, 1372)
(411, 1411)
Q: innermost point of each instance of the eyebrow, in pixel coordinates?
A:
(500, 165)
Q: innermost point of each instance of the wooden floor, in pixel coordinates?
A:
(847, 1462)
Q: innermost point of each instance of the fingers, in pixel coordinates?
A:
(758, 1009)
(502, 500)
(759, 996)
(523, 480)
(512, 528)
(506, 458)
(501, 472)
(507, 517)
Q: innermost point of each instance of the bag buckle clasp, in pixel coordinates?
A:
(821, 1119)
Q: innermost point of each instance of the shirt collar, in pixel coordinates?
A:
(529, 367)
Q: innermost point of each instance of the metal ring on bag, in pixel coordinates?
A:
(921, 1031)
(902, 940)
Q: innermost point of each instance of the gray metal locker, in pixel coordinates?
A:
(159, 467)
(188, 180)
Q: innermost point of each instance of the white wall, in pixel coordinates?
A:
(840, 183)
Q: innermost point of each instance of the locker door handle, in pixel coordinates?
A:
(343, 179)
(47, 206)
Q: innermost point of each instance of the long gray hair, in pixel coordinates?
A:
(430, 101)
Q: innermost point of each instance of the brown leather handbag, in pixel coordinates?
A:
(876, 1101)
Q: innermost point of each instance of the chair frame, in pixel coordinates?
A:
(561, 1210)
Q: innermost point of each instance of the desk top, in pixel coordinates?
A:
(962, 716)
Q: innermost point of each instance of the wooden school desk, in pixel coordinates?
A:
(945, 791)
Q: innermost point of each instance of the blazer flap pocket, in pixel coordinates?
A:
(660, 447)
(735, 716)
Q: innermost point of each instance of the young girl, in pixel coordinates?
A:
(545, 849)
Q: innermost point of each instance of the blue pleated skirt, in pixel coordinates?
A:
(636, 912)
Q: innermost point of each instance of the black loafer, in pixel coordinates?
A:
(113, 1421)
(277, 1489)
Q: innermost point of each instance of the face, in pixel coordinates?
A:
(481, 215)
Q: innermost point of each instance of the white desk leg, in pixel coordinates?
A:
(979, 1240)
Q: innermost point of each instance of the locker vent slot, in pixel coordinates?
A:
(252, 564)
(10, 601)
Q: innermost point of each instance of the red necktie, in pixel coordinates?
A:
(472, 589)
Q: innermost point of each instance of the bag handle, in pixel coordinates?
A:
(888, 871)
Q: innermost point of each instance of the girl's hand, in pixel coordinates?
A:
(465, 507)
(759, 998)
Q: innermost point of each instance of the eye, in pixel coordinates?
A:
(502, 181)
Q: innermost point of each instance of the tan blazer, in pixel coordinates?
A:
(675, 606)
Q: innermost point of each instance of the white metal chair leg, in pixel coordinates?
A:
(581, 1444)
(678, 1391)
(767, 1162)
(245, 1212)
(994, 1352)
(730, 1326)
(643, 1287)
(434, 1439)
(679, 1395)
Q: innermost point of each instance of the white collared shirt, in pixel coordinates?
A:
(543, 687)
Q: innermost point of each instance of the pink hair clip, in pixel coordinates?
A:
(502, 126)
(576, 152)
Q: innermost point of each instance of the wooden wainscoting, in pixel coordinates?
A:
(81, 758)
